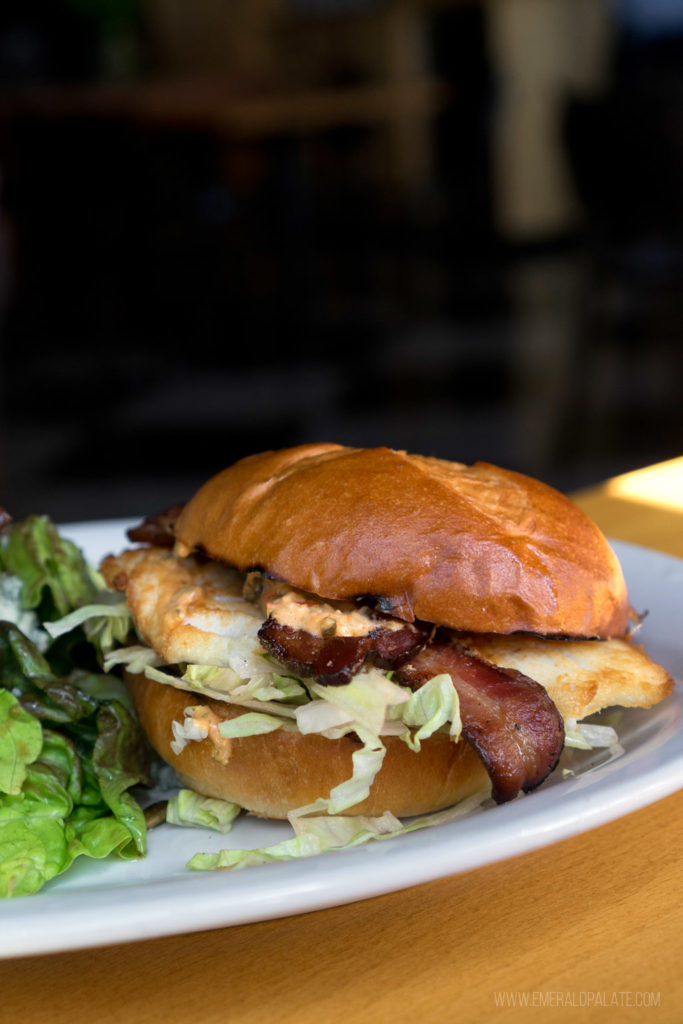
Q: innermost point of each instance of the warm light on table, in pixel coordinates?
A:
(660, 486)
(644, 507)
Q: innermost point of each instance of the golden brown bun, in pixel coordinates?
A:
(474, 548)
(275, 773)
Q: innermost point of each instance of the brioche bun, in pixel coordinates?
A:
(473, 548)
(272, 774)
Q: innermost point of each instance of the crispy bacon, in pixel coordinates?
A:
(157, 530)
(508, 718)
(334, 660)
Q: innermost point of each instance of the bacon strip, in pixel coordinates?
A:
(157, 530)
(508, 718)
(334, 660)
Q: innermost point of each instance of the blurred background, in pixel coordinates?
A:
(229, 225)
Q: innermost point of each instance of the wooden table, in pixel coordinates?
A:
(590, 920)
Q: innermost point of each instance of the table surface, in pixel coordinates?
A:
(590, 927)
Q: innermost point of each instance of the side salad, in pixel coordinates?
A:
(70, 748)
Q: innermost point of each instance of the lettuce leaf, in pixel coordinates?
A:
(96, 838)
(119, 761)
(43, 828)
(21, 741)
(50, 592)
(54, 575)
(32, 851)
(70, 752)
(12, 610)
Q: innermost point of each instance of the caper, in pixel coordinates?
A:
(253, 587)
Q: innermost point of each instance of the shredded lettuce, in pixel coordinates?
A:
(324, 833)
(588, 736)
(197, 723)
(369, 706)
(366, 698)
(135, 658)
(367, 761)
(433, 706)
(271, 686)
(274, 688)
(250, 724)
(218, 677)
(315, 835)
(192, 809)
(211, 690)
(299, 846)
(108, 622)
(321, 716)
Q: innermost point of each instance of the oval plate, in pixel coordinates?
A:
(98, 903)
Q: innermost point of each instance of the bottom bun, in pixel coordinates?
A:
(275, 773)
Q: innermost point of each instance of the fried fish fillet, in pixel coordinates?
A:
(581, 676)
(186, 609)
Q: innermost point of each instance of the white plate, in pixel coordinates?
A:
(98, 903)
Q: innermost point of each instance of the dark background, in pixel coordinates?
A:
(455, 228)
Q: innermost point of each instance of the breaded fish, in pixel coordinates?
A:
(185, 609)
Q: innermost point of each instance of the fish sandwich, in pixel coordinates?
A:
(362, 631)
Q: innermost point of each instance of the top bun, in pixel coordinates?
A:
(474, 548)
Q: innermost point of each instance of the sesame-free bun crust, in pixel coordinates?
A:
(274, 773)
(474, 548)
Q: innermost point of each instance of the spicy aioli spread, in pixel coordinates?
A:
(319, 618)
(200, 723)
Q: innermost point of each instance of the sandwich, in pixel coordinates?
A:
(326, 630)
